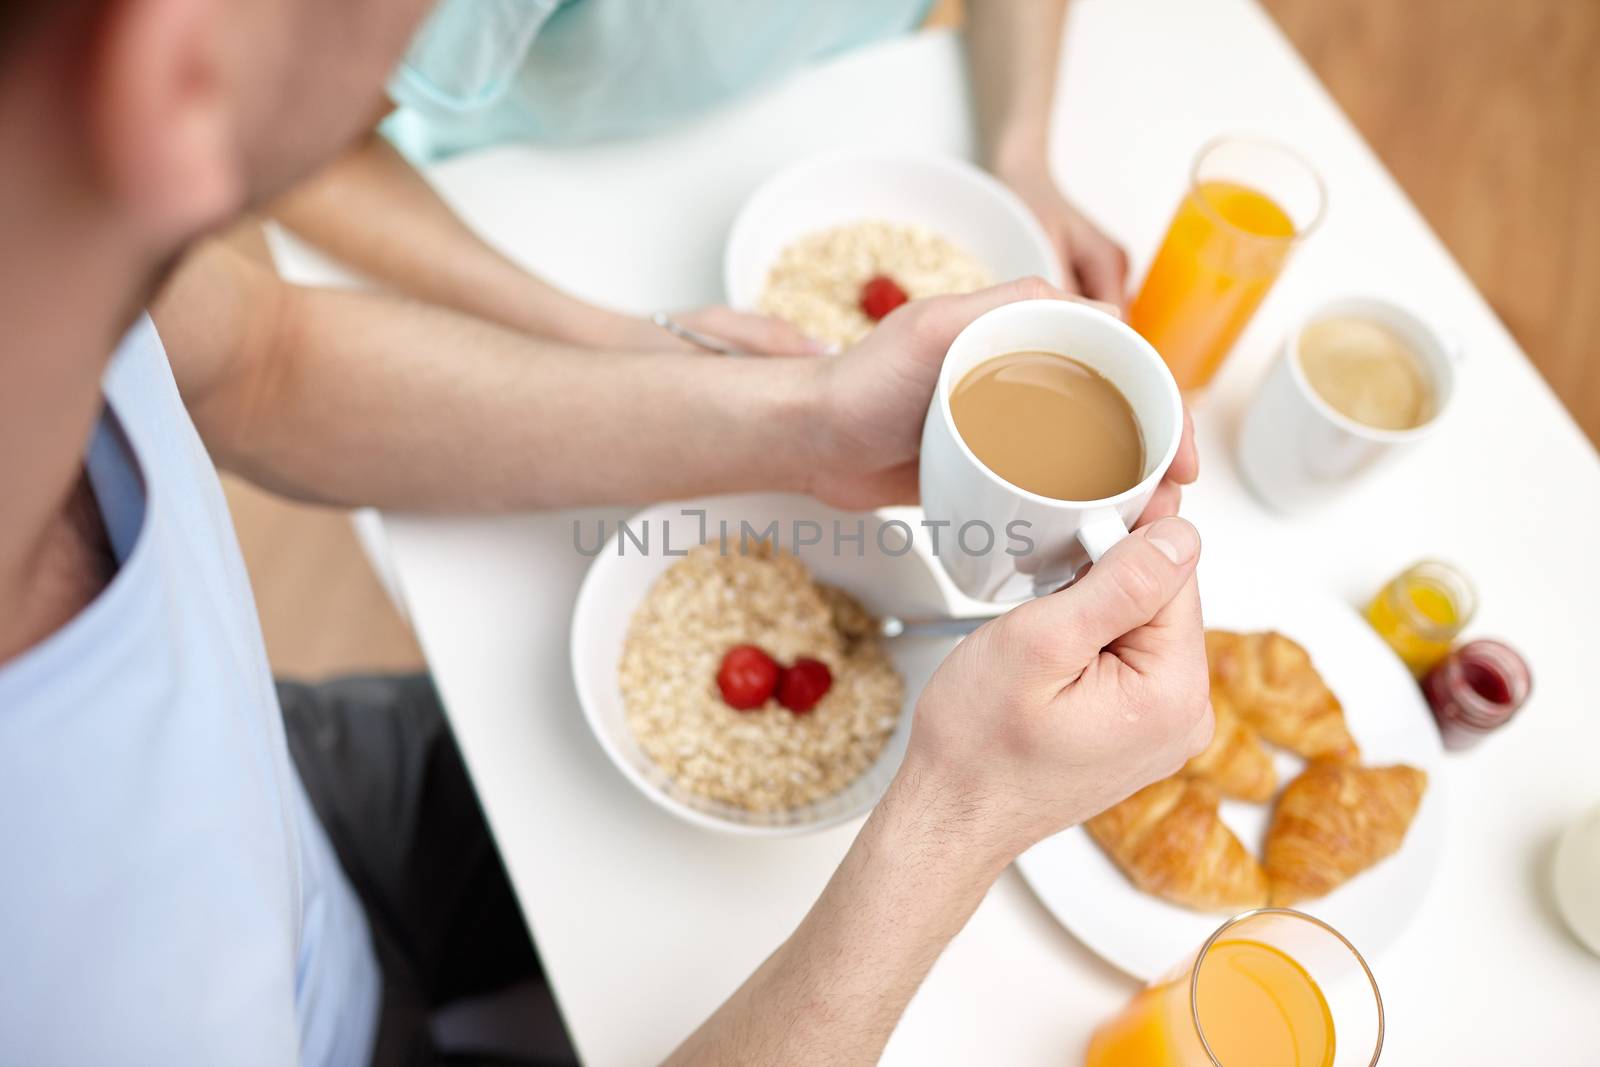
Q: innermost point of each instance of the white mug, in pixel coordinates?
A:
(1577, 878)
(1296, 450)
(1000, 542)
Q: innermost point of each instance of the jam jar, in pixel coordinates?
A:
(1476, 689)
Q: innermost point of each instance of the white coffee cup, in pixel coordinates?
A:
(1001, 542)
(1296, 450)
(1576, 878)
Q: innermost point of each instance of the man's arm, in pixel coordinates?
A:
(346, 397)
(833, 992)
(1039, 720)
(353, 398)
(1036, 721)
(372, 210)
(1013, 51)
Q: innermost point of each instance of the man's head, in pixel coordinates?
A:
(155, 120)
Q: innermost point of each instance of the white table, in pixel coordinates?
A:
(645, 924)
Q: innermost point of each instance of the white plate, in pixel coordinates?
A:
(884, 582)
(949, 196)
(1145, 936)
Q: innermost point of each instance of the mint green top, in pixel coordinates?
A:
(484, 72)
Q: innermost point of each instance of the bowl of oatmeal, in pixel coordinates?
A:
(816, 242)
(668, 599)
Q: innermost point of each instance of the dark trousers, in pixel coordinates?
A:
(387, 781)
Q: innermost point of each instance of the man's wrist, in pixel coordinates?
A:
(948, 825)
(802, 412)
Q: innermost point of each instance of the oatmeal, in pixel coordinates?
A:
(768, 758)
(816, 284)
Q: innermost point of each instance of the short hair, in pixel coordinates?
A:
(19, 19)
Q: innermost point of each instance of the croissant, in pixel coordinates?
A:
(1270, 681)
(1335, 821)
(1235, 761)
(1168, 839)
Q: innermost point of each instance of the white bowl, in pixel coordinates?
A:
(947, 195)
(616, 583)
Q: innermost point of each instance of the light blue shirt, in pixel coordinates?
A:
(167, 896)
(484, 72)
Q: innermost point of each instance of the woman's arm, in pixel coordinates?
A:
(373, 210)
(1013, 51)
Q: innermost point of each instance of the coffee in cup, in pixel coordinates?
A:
(1367, 372)
(1014, 515)
(1358, 383)
(1049, 424)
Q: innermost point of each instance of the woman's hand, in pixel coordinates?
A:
(1093, 264)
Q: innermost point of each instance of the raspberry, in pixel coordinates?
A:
(881, 295)
(747, 677)
(801, 686)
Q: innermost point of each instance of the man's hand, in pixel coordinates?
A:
(1093, 264)
(1071, 702)
(1037, 721)
(865, 428)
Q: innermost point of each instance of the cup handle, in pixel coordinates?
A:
(1101, 530)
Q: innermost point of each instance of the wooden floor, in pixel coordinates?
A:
(1485, 110)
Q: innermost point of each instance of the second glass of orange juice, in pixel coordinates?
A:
(1249, 203)
(1271, 988)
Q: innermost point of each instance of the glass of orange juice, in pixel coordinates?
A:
(1270, 988)
(1249, 203)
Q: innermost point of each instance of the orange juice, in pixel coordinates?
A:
(1259, 1008)
(1149, 1032)
(1223, 250)
(1256, 1006)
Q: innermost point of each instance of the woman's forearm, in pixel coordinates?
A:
(372, 210)
(1013, 49)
